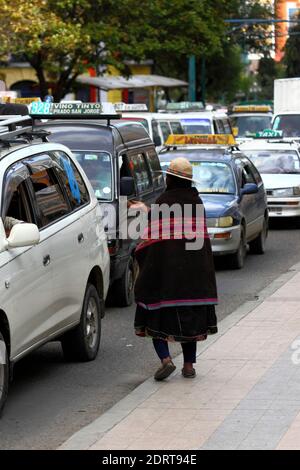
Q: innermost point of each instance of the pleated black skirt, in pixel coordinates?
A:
(190, 323)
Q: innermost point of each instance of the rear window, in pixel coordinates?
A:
(196, 126)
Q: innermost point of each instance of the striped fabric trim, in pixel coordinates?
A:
(148, 242)
(176, 303)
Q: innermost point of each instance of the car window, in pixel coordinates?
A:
(98, 169)
(254, 171)
(157, 177)
(165, 130)
(196, 126)
(140, 172)
(155, 131)
(247, 175)
(210, 177)
(73, 183)
(226, 125)
(50, 199)
(275, 161)
(248, 126)
(176, 127)
(16, 202)
(220, 126)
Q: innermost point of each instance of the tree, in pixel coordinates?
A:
(61, 38)
(291, 52)
(268, 71)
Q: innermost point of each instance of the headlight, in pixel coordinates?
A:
(287, 192)
(221, 222)
(225, 221)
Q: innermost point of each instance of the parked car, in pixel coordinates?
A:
(278, 162)
(54, 258)
(232, 191)
(120, 159)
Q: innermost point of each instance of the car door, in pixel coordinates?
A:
(27, 274)
(155, 168)
(62, 228)
(72, 248)
(247, 201)
(260, 206)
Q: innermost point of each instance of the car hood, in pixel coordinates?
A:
(216, 205)
(272, 181)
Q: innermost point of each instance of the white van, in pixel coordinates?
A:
(54, 259)
(158, 125)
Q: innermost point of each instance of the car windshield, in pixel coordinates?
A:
(210, 177)
(98, 169)
(248, 126)
(289, 124)
(274, 161)
(196, 126)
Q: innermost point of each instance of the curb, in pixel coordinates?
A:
(88, 435)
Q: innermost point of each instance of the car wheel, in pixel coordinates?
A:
(258, 245)
(123, 289)
(238, 259)
(82, 343)
(4, 373)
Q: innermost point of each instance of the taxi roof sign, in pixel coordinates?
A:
(267, 133)
(252, 108)
(71, 110)
(130, 107)
(185, 106)
(200, 139)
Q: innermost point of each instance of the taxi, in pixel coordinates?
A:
(278, 162)
(231, 189)
(250, 119)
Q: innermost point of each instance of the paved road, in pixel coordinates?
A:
(49, 399)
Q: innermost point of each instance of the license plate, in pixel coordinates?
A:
(277, 210)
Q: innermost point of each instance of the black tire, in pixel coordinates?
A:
(4, 373)
(82, 343)
(258, 245)
(238, 258)
(123, 288)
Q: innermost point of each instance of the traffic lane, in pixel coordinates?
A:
(282, 251)
(50, 399)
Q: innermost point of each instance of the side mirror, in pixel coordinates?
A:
(23, 235)
(235, 131)
(157, 141)
(127, 187)
(249, 188)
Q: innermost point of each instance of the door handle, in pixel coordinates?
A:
(80, 238)
(46, 260)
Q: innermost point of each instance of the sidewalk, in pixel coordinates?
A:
(246, 394)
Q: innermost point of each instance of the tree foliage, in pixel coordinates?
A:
(291, 52)
(61, 38)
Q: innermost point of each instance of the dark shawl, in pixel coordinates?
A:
(169, 275)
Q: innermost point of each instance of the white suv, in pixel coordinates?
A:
(54, 260)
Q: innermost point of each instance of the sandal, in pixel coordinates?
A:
(164, 371)
(188, 374)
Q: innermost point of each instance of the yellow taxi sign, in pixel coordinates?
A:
(7, 99)
(200, 139)
(253, 108)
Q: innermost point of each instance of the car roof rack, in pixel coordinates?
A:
(18, 129)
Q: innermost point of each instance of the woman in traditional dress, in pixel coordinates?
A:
(175, 289)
